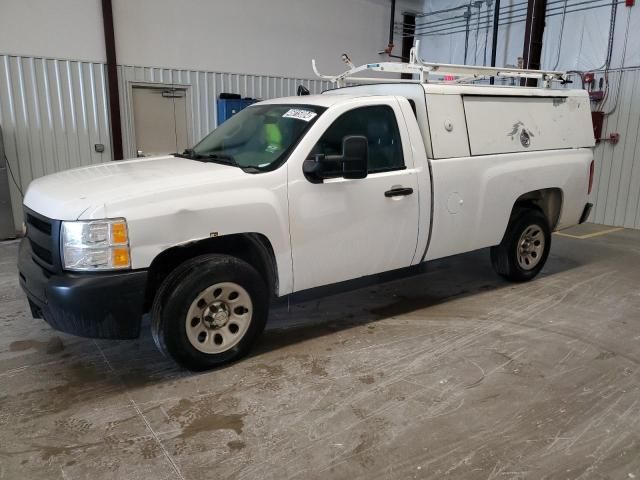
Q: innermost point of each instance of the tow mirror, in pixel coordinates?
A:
(355, 156)
(351, 164)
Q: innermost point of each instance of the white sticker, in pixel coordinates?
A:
(305, 115)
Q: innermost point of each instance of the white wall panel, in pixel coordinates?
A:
(274, 37)
(52, 28)
(616, 190)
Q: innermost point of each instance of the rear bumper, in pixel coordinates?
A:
(94, 305)
(586, 212)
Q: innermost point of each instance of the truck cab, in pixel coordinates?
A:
(302, 192)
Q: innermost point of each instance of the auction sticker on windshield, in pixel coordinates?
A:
(300, 114)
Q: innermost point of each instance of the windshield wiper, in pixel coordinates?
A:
(226, 159)
(191, 154)
(216, 157)
(188, 153)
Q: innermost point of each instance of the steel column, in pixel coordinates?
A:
(494, 44)
(534, 30)
(408, 29)
(112, 80)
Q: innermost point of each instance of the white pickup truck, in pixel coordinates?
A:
(297, 193)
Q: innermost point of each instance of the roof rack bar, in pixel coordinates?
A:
(417, 66)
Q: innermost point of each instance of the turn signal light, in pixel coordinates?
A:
(120, 257)
(119, 233)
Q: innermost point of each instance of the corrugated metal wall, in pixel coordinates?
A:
(616, 191)
(53, 112)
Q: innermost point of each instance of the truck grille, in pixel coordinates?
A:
(44, 237)
(41, 224)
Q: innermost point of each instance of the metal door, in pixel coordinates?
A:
(348, 228)
(160, 120)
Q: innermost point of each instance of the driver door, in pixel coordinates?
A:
(343, 229)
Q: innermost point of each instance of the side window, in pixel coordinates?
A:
(378, 124)
(413, 107)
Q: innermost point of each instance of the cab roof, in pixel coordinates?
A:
(319, 100)
(337, 95)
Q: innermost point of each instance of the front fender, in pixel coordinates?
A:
(255, 203)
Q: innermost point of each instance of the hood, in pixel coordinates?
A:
(67, 195)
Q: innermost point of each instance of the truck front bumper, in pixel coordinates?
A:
(94, 305)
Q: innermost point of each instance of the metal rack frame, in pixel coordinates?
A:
(417, 66)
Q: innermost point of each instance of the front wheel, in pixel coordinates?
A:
(524, 248)
(209, 311)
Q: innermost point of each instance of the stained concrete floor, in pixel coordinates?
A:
(450, 374)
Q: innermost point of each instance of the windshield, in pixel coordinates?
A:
(258, 138)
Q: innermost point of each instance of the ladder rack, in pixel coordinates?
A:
(416, 66)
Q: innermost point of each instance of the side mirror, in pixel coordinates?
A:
(355, 156)
(351, 164)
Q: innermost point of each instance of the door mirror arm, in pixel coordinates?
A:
(322, 166)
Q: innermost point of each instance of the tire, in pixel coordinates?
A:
(524, 248)
(209, 311)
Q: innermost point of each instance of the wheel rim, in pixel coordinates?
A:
(530, 247)
(219, 317)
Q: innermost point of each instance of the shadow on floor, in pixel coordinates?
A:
(139, 364)
(307, 318)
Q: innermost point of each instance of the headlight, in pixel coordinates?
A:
(95, 245)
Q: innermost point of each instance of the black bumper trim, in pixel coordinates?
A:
(94, 305)
(586, 212)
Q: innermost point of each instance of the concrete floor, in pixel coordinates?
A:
(449, 374)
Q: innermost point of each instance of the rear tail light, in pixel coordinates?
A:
(591, 171)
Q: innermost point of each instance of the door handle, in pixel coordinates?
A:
(398, 192)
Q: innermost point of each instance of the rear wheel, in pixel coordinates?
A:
(209, 311)
(524, 248)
